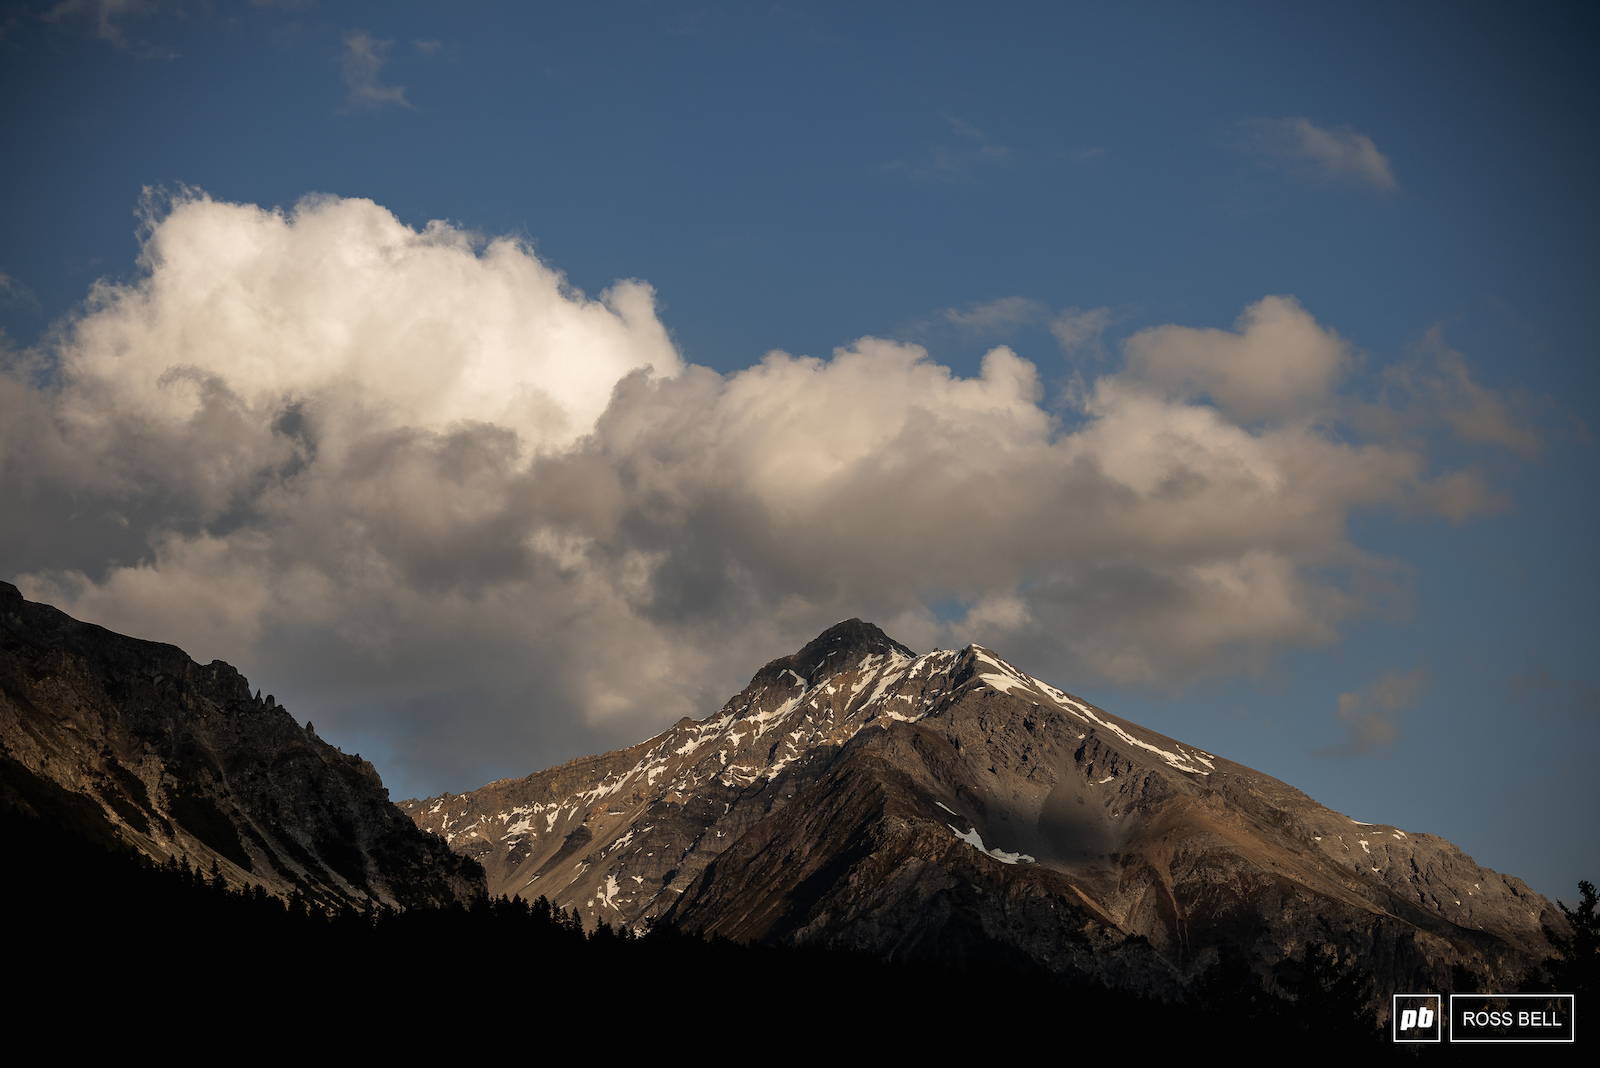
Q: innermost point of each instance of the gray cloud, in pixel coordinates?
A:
(459, 513)
(1338, 154)
(1369, 716)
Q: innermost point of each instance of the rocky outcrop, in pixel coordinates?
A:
(948, 806)
(181, 759)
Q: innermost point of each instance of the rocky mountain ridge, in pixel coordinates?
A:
(949, 806)
(175, 758)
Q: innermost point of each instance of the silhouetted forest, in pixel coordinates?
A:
(144, 948)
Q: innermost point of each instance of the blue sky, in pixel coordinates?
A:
(1286, 450)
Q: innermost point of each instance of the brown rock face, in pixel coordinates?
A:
(949, 806)
(181, 759)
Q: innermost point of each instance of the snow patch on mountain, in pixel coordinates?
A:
(975, 840)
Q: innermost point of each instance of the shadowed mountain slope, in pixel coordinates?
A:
(130, 741)
(949, 807)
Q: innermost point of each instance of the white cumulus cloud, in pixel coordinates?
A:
(1276, 363)
(448, 506)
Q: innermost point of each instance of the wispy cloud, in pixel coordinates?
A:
(1076, 329)
(994, 320)
(1369, 715)
(997, 316)
(955, 159)
(1475, 412)
(364, 57)
(1538, 688)
(105, 19)
(1338, 154)
(14, 292)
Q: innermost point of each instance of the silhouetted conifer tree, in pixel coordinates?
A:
(1574, 968)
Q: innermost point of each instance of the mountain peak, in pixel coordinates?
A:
(950, 804)
(841, 646)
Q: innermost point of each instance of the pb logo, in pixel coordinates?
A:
(1410, 1018)
(1417, 1018)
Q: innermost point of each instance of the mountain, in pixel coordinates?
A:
(131, 742)
(949, 807)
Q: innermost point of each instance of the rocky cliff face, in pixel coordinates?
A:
(181, 759)
(951, 807)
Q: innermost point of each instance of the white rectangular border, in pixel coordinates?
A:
(1394, 1021)
(1571, 998)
